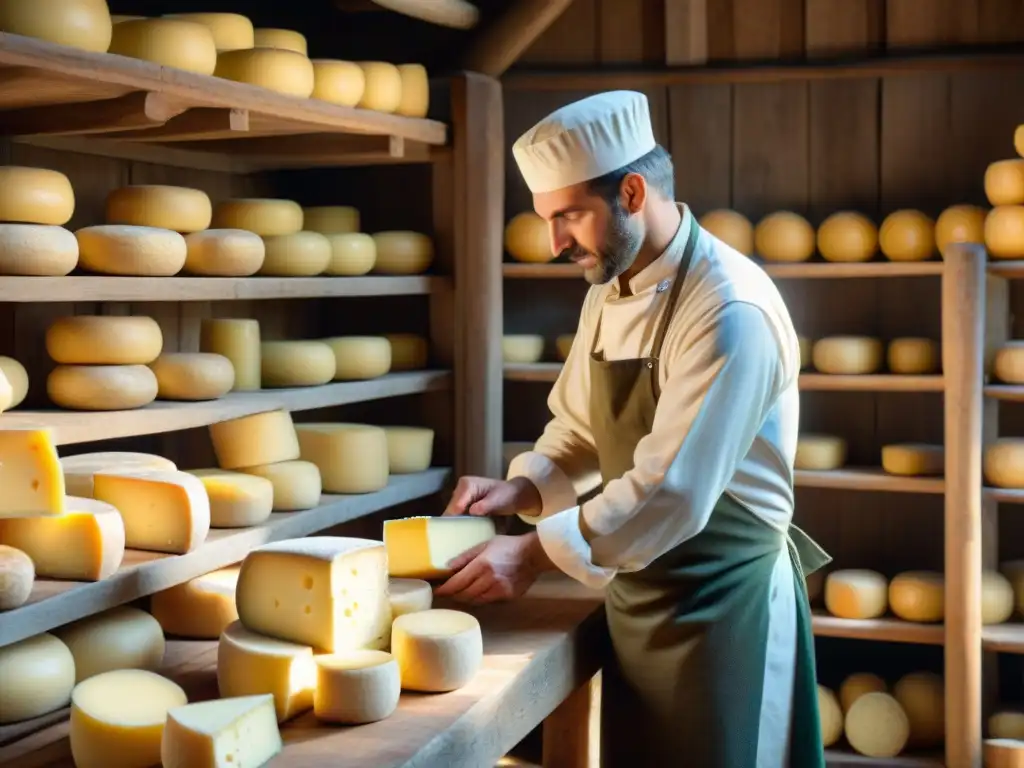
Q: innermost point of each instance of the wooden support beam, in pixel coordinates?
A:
(686, 32)
(200, 124)
(458, 14)
(134, 111)
(503, 41)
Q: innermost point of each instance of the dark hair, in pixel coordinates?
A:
(656, 168)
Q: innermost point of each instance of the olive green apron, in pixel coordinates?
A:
(690, 631)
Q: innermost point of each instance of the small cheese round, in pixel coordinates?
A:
(201, 608)
(6, 393)
(409, 351)
(224, 253)
(923, 698)
(877, 726)
(237, 500)
(352, 458)
(383, 91)
(101, 387)
(338, 82)
(522, 348)
(819, 453)
(918, 596)
(275, 69)
(731, 227)
(39, 250)
(856, 594)
(297, 484)
(299, 254)
(403, 253)
(527, 239)
(858, 684)
(1008, 363)
(238, 340)
(285, 39)
(17, 377)
(847, 236)
(331, 219)
(231, 31)
(784, 236)
(415, 91)
(356, 687)
(179, 209)
(437, 650)
(121, 638)
(121, 249)
(907, 235)
(831, 717)
(79, 470)
(35, 196)
(1007, 724)
(847, 355)
(352, 254)
(1004, 182)
(104, 340)
(960, 224)
(996, 598)
(17, 574)
(249, 441)
(1004, 232)
(913, 459)
(1014, 571)
(806, 345)
(38, 675)
(84, 24)
(170, 42)
(563, 345)
(296, 363)
(264, 216)
(1003, 463)
(410, 449)
(409, 595)
(1003, 753)
(360, 357)
(913, 356)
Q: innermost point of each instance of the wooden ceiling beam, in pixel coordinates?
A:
(501, 42)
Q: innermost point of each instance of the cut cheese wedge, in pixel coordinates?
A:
(30, 474)
(201, 608)
(237, 500)
(38, 675)
(422, 547)
(121, 638)
(223, 733)
(437, 650)
(79, 470)
(356, 687)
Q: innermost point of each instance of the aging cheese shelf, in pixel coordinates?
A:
(889, 630)
(803, 270)
(835, 758)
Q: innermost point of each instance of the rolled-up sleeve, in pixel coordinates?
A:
(724, 374)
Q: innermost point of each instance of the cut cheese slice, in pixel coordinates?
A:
(360, 357)
(35, 195)
(38, 675)
(299, 254)
(352, 458)
(356, 687)
(847, 355)
(914, 356)
(286, 39)
(83, 24)
(338, 82)
(237, 500)
(856, 594)
(913, 459)
(79, 470)
(403, 253)
(352, 254)
(1003, 463)
(275, 69)
(415, 101)
(328, 592)
(123, 249)
(170, 42)
(831, 717)
(297, 484)
(858, 684)
(409, 351)
(918, 596)
(201, 608)
(239, 341)
(101, 387)
(223, 733)
(224, 253)
(17, 377)
(923, 698)
(231, 31)
(410, 449)
(17, 572)
(409, 595)
(251, 441)
(37, 250)
(179, 209)
(192, 376)
(331, 219)
(264, 216)
(422, 547)
(437, 650)
(877, 726)
(104, 340)
(383, 86)
(121, 638)
(295, 363)
(30, 474)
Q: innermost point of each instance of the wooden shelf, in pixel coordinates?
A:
(867, 479)
(835, 758)
(165, 416)
(55, 603)
(1012, 393)
(1004, 638)
(884, 630)
(532, 371)
(1010, 269)
(804, 270)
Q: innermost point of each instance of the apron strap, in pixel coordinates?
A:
(670, 307)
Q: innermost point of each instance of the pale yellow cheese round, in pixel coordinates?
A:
(122, 249)
(299, 254)
(922, 696)
(275, 69)
(120, 638)
(237, 339)
(360, 357)
(819, 452)
(847, 236)
(731, 227)
(847, 355)
(170, 42)
(179, 209)
(101, 387)
(249, 441)
(409, 595)
(264, 216)
(403, 253)
(17, 574)
(285, 39)
(1014, 571)
(297, 484)
(237, 500)
(522, 348)
(37, 250)
(1004, 182)
(1008, 363)
(1004, 232)
(352, 254)
(996, 598)
(84, 24)
(224, 253)
(1006, 724)
(563, 345)
(856, 594)
(960, 224)
(356, 687)
(831, 717)
(199, 609)
(409, 351)
(527, 239)
(352, 458)
(338, 82)
(38, 675)
(907, 235)
(104, 340)
(79, 470)
(918, 596)
(913, 459)
(383, 91)
(858, 684)
(877, 726)
(415, 100)
(410, 449)
(913, 356)
(17, 377)
(6, 393)
(35, 196)
(331, 219)
(231, 31)
(1003, 463)
(296, 363)
(1003, 753)
(785, 237)
(437, 650)
(806, 345)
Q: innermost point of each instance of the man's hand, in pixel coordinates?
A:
(485, 497)
(502, 569)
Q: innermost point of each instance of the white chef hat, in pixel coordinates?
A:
(585, 140)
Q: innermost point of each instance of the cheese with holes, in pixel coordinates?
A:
(331, 219)
(1008, 363)
(415, 101)
(338, 82)
(162, 511)
(121, 638)
(913, 356)
(201, 608)
(422, 547)
(180, 209)
(877, 726)
(249, 441)
(35, 195)
(192, 375)
(237, 500)
(563, 345)
(401, 252)
(38, 675)
(86, 543)
(996, 598)
(286, 39)
(275, 69)
(239, 341)
(858, 684)
(300, 254)
(297, 484)
(121, 713)
(295, 363)
(960, 224)
(222, 733)
(101, 387)
(522, 348)
(39, 250)
(104, 340)
(819, 452)
(356, 687)
(352, 458)
(784, 236)
(410, 449)
(264, 216)
(383, 89)
(79, 470)
(437, 650)
(30, 474)
(224, 253)
(360, 357)
(922, 696)
(131, 251)
(918, 596)
(84, 24)
(1004, 182)
(1007, 724)
(831, 717)
(731, 227)
(329, 592)
(409, 351)
(409, 595)
(847, 355)
(17, 572)
(907, 235)
(1004, 232)
(169, 42)
(527, 239)
(1003, 753)
(856, 594)
(847, 236)
(231, 31)
(17, 377)
(1003, 462)
(352, 254)
(913, 459)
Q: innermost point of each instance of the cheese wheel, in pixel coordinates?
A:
(352, 254)
(819, 453)
(858, 684)
(1003, 463)
(913, 356)
(415, 101)
(104, 340)
(409, 595)
(38, 250)
(522, 348)
(121, 713)
(918, 596)
(527, 239)
(264, 216)
(383, 90)
(352, 458)
(403, 253)
(284, 39)
(437, 650)
(356, 687)
(239, 341)
(1004, 182)
(296, 363)
(241, 731)
(785, 237)
(907, 235)
(237, 500)
(17, 377)
(847, 236)
(297, 484)
(877, 726)
(1008, 363)
(1003, 753)
(224, 253)
(996, 598)
(1006, 725)
(331, 219)
(831, 717)
(17, 571)
(79, 470)
(563, 345)
(86, 543)
(913, 459)
(338, 82)
(231, 31)
(250, 441)
(360, 357)
(168, 42)
(35, 195)
(192, 376)
(84, 24)
(960, 224)
(122, 249)
(121, 638)
(101, 387)
(922, 696)
(179, 209)
(300, 254)
(1004, 232)
(201, 608)
(38, 675)
(847, 355)
(275, 69)
(409, 351)
(410, 449)
(856, 594)
(732, 228)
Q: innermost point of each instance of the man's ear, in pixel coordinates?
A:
(633, 192)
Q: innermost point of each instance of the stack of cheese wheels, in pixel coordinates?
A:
(960, 224)
(784, 236)
(731, 227)
(83, 24)
(527, 239)
(352, 458)
(907, 235)
(409, 351)
(358, 358)
(237, 340)
(1004, 225)
(244, 728)
(288, 250)
(847, 236)
(35, 204)
(352, 252)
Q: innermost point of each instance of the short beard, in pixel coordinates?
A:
(621, 247)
